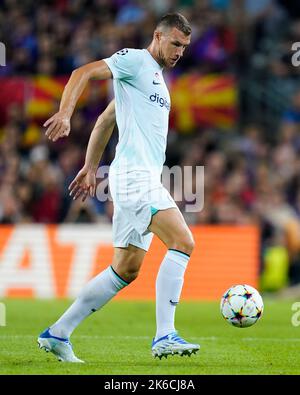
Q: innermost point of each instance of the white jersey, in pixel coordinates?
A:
(142, 103)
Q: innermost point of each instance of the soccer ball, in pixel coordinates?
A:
(241, 305)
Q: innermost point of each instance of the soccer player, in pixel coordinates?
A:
(142, 206)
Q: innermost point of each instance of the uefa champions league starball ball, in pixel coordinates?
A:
(241, 306)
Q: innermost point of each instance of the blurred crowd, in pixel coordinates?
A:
(252, 172)
(54, 37)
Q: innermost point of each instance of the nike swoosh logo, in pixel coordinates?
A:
(173, 303)
(155, 83)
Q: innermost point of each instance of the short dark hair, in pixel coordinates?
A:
(175, 20)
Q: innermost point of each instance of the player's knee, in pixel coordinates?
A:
(186, 244)
(190, 244)
(130, 275)
(128, 269)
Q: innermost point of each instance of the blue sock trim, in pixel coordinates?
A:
(179, 252)
(119, 278)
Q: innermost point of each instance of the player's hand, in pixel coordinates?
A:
(58, 126)
(84, 184)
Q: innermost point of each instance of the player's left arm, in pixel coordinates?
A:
(85, 181)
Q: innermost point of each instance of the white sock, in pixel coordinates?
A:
(95, 294)
(169, 284)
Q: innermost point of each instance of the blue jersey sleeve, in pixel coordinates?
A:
(125, 64)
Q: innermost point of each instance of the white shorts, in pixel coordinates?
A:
(136, 197)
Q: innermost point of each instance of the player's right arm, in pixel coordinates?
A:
(85, 181)
(59, 124)
(124, 64)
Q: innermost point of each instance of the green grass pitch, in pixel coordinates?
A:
(117, 339)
